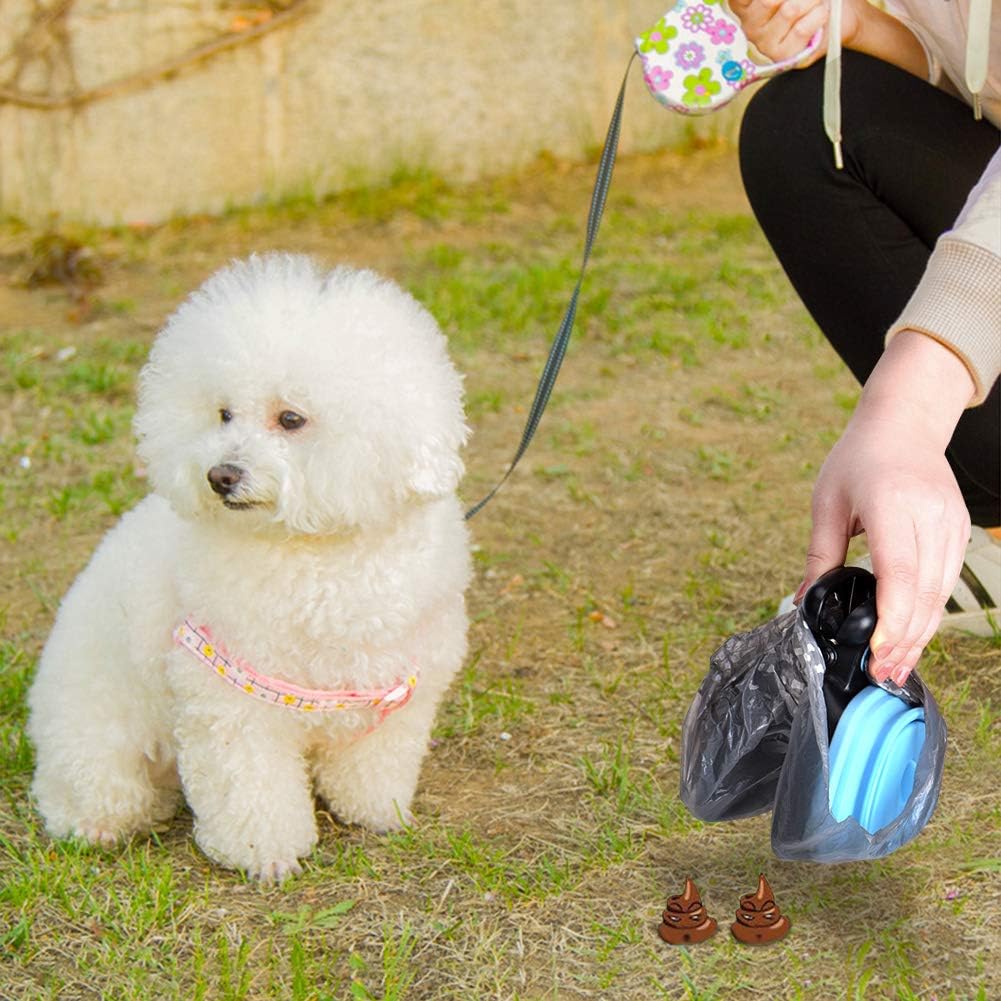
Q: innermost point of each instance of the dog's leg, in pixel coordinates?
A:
(102, 797)
(104, 766)
(246, 781)
(372, 781)
(99, 720)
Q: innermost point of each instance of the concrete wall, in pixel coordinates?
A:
(342, 95)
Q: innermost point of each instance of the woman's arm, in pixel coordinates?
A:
(888, 476)
(958, 300)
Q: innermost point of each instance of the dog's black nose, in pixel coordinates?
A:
(224, 478)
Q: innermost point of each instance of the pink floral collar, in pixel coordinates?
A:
(197, 640)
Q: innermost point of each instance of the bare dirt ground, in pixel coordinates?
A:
(663, 507)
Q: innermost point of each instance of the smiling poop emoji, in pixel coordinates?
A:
(758, 919)
(685, 920)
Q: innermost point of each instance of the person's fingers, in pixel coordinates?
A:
(760, 10)
(929, 601)
(894, 553)
(771, 25)
(953, 552)
(753, 14)
(828, 544)
(803, 21)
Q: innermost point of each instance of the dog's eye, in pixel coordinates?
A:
(225, 416)
(290, 420)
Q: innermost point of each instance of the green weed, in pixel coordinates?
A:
(479, 700)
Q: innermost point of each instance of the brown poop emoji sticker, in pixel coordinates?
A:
(685, 920)
(758, 919)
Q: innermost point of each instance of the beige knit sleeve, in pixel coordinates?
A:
(958, 301)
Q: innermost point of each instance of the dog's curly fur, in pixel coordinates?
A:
(337, 559)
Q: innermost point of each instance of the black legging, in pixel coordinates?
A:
(855, 242)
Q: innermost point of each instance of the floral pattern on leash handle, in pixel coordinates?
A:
(695, 58)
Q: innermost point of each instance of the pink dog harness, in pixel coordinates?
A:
(197, 640)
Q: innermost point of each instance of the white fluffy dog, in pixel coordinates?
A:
(285, 611)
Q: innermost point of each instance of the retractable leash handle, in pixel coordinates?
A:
(696, 58)
(683, 40)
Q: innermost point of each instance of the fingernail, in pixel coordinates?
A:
(884, 672)
(900, 675)
(894, 661)
(800, 591)
(880, 670)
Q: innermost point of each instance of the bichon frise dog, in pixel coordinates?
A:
(285, 611)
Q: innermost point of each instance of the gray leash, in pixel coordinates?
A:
(547, 380)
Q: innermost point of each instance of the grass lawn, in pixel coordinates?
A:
(663, 507)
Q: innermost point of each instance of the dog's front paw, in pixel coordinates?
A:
(268, 853)
(275, 871)
(99, 835)
(361, 787)
(380, 818)
(268, 862)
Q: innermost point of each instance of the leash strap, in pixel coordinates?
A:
(602, 181)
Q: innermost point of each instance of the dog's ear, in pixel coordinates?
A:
(437, 471)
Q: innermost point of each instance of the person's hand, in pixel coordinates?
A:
(780, 29)
(888, 476)
(884, 479)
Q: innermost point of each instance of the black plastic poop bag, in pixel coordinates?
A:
(787, 720)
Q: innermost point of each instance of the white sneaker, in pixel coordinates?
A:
(977, 594)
